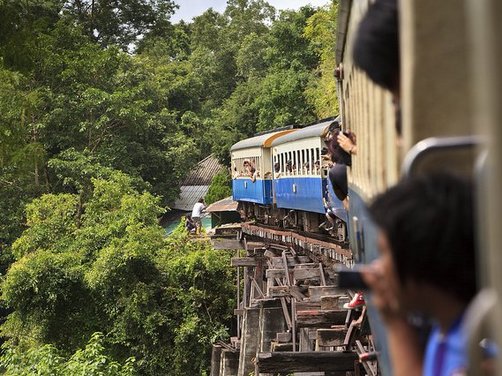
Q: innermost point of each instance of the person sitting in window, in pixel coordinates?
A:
(277, 170)
(289, 166)
(250, 170)
(341, 159)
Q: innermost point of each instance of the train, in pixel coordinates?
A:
(280, 178)
(449, 119)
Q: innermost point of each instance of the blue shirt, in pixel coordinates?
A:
(446, 354)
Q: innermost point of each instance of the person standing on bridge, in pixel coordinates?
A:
(197, 211)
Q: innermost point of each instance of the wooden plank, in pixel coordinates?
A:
(243, 261)
(304, 273)
(331, 337)
(285, 311)
(296, 293)
(321, 319)
(275, 346)
(283, 337)
(286, 270)
(275, 273)
(278, 291)
(311, 361)
(307, 306)
(238, 312)
(224, 243)
(330, 302)
(257, 288)
(316, 292)
(321, 272)
(278, 263)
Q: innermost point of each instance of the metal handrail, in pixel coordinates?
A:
(433, 144)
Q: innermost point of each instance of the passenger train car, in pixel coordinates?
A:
(290, 186)
(450, 118)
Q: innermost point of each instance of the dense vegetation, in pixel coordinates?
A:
(104, 106)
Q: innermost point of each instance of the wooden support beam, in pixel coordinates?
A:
(286, 270)
(243, 261)
(285, 311)
(307, 306)
(278, 263)
(316, 292)
(321, 272)
(321, 319)
(275, 346)
(283, 337)
(331, 337)
(304, 273)
(225, 243)
(278, 291)
(257, 288)
(330, 302)
(275, 273)
(295, 292)
(311, 361)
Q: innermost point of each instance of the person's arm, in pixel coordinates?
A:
(404, 347)
(346, 144)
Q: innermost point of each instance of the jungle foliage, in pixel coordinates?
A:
(104, 107)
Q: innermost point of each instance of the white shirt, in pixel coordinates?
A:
(197, 209)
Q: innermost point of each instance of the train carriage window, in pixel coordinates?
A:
(294, 163)
(299, 164)
(303, 163)
(312, 161)
(282, 163)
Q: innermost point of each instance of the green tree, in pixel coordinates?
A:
(48, 361)
(109, 269)
(220, 188)
(118, 22)
(321, 32)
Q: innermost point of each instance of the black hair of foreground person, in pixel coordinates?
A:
(429, 222)
(376, 49)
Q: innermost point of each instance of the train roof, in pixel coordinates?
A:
(264, 140)
(316, 130)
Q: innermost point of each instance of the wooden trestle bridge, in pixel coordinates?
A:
(290, 315)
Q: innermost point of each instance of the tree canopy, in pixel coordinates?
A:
(104, 107)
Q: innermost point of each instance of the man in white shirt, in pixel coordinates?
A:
(197, 210)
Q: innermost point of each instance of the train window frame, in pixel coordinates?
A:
(299, 164)
(312, 156)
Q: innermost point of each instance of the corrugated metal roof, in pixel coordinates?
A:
(189, 195)
(227, 204)
(264, 140)
(203, 172)
(197, 183)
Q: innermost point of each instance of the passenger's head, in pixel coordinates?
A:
(428, 224)
(201, 200)
(376, 49)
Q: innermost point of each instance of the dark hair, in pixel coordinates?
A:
(201, 200)
(338, 155)
(429, 223)
(376, 49)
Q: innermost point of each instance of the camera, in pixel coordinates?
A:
(351, 278)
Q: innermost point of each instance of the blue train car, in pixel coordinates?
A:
(300, 179)
(252, 168)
